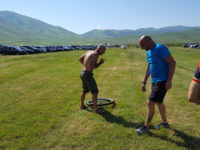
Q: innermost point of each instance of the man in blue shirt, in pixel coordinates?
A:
(161, 66)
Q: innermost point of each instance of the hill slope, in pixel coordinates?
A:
(171, 37)
(119, 33)
(16, 27)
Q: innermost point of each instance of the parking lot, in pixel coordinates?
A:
(191, 45)
(25, 50)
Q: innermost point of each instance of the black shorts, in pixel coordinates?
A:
(88, 82)
(158, 92)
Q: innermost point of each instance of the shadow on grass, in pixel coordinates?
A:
(189, 142)
(119, 120)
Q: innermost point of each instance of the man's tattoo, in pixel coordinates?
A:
(150, 118)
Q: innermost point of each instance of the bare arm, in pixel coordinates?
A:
(147, 74)
(172, 64)
(96, 65)
(81, 59)
(193, 92)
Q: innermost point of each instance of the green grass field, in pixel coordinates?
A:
(40, 100)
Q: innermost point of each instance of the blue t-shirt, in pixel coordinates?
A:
(159, 68)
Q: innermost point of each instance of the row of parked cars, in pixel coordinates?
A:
(109, 45)
(191, 45)
(23, 50)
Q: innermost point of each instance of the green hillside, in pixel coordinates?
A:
(192, 36)
(16, 28)
(178, 37)
(120, 33)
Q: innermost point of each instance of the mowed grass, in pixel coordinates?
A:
(40, 100)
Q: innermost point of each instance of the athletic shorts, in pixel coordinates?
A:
(158, 92)
(88, 82)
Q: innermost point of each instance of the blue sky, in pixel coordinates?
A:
(80, 16)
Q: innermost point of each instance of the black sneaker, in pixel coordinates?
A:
(163, 125)
(143, 130)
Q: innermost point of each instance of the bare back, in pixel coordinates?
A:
(90, 59)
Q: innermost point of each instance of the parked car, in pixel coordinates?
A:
(13, 50)
(116, 45)
(28, 51)
(186, 45)
(60, 48)
(68, 48)
(109, 45)
(2, 47)
(75, 47)
(51, 48)
(33, 48)
(123, 47)
(193, 45)
(41, 49)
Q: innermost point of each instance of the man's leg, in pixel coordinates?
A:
(94, 99)
(82, 100)
(94, 90)
(145, 128)
(150, 113)
(161, 107)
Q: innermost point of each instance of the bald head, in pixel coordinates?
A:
(101, 49)
(146, 42)
(145, 38)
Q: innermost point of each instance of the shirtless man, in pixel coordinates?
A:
(89, 61)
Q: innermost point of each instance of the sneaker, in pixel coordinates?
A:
(143, 130)
(163, 125)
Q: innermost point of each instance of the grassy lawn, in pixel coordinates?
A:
(40, 100)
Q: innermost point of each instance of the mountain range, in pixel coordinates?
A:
(17, 29)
